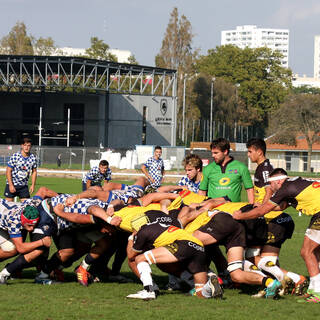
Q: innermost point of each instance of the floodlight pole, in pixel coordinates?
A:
(211, 107)
(40, 126)
(68, 129)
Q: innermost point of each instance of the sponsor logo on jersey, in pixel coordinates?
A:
(224, 181)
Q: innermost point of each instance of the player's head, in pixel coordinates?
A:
(157, 152)
(26, 144)
(256, 149)
(103, 166)
(276, 178)
(29, 217)
(193, 165)
(220, 149)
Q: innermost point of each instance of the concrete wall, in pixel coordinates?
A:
(126, 119)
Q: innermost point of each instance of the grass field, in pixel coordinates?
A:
(22, 299)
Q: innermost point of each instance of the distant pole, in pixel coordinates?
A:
(68, 129)
(184, 105)
(40, 126)
(211, 106)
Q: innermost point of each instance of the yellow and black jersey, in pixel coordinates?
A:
(152, 212)
(204, 218)
(186, 197)
(156, 235)
(302, 194)
(261, 177)
(127, 214)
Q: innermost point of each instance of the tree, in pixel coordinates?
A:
(262, 82)
(17, 42)
(298, 116)
(132, 60)
(44, 47)
(177, 53)
(100, 50)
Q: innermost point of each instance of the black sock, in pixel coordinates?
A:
(89, 259)
(17, 264)
(52, 264)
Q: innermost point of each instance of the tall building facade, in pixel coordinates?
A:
(316, 63)
(253, 37)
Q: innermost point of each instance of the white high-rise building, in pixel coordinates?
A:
(253, 37)
(316, 58)
(122, 55)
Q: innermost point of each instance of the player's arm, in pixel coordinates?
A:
(25, 247)
(202, 192)
(212, 203)
(254, 213)
(157, 197)
(33, 180)
(131, 253)
(146, 172)
(250, 195)
(89, 193)
(45, 192)
(9, 179)
(73, 217)
(170, 188)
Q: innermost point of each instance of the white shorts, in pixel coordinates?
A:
(313, 235)
(5, 242)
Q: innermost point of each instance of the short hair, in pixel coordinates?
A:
(278, 171)
(258, 144)
(25, 140)
(157, 148)
(104, 163)
(221, 144)
(192, 160)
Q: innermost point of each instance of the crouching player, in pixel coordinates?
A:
(165, 245)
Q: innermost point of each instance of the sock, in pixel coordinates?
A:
(88, 260)
(52, 264)
(17, 264)
(293, 276)
(206, 290)
(316, 283)
(269, 265)
(145, 273)
(250, 267)
(5, 272)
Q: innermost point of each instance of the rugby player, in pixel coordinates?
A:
(18, 169)
(280, 224)
(96, 175)
(153, 168)
(302, 194)
(163, 244)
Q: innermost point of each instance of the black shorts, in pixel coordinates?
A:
(315, 222)
(21, 192)
(192, 255)
(66, 239)
(256, 231)
(226, 230)
(279, 230)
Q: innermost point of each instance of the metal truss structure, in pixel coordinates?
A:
(31, 73)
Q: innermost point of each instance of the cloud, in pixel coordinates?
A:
(293, 11)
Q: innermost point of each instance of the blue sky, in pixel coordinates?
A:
(139, 25)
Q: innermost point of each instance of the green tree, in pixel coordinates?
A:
(177, 53)
(262, 82)
(298, 116)
(100, 50)
(17, 42)
(132, 60)
(45, 47)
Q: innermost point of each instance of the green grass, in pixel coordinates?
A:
(22, 299)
